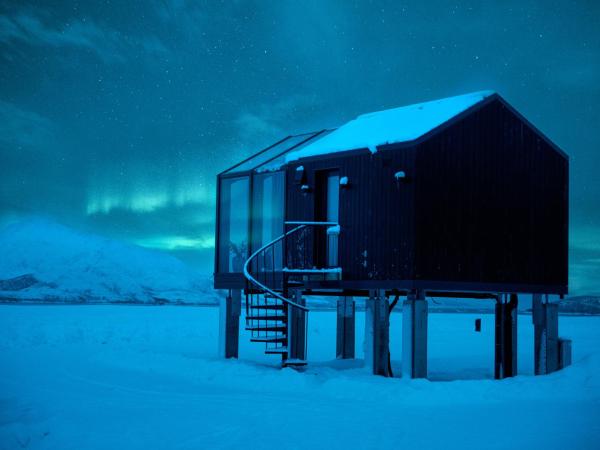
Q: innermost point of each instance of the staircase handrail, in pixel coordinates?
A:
(249, 277)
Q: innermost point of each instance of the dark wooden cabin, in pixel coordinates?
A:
(478, 203)
(458, 197)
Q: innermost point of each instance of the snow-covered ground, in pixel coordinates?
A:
(112, 377)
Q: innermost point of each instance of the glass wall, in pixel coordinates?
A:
(234, 211)
(267, 204)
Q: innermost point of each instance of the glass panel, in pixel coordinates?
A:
(333, 197)
(268, 193)
(233, 224)
(277, 163)
(263, 157)
(333, 212)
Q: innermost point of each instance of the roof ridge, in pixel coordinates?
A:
(484, 94)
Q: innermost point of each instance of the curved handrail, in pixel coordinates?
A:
(275, 294)
(262, 286)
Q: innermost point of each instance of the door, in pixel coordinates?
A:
(327, 204)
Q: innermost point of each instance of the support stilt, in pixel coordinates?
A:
(229, 324)
(297, 328)
(377, 333)
(505, 355)
(547, 345)
(414, 335)
(345, 328)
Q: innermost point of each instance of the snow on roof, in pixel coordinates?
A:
(390, 126)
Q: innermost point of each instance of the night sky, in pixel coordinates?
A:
(115, 117)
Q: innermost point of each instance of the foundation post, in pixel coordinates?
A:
(414, 335)
(297, 322)
(546, 341)
(229, 324)
(345, 334)
(505, 355)
(377, 333)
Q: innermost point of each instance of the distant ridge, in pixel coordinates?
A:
(44, 261)
(580, 304)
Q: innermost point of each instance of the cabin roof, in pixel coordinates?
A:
(390, 126)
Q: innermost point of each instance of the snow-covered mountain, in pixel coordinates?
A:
(42, 260)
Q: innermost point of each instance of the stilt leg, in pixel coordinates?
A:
(297, 322)
(229, 324)
(546, 342)
(414, 335)
(505, 361)
(345, 328)
(377, 329)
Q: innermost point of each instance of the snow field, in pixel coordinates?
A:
(78, 377)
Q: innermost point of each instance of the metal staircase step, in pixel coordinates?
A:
(271, 307)
(270, 340)
(294, 362)
(268, 328)
(280, 317)
(276, 351)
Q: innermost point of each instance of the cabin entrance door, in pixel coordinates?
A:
(327, 205)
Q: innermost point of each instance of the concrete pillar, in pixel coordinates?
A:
(345, 328)
(229, 324)
(505, 355)
(377, 333)
(414, 335)
(546, 342)
(297, 322)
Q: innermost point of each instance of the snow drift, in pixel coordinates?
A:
(44, 261)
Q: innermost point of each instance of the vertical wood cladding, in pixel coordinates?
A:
(491, 203)
(375, 212)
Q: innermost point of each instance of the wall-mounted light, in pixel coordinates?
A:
(344, 182)
(300, 175)
(400, 175)
(305, 188)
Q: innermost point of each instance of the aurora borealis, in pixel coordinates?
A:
(115, 117)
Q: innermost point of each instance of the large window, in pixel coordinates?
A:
(267, 204)
(233, 224)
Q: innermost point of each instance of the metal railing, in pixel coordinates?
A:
(263, 286)
(262, 252)
(268, 275)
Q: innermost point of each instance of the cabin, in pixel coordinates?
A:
(458, 197)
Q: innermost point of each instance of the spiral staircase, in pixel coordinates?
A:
(274, 272)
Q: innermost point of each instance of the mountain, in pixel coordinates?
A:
(41, 260)
(581, 304)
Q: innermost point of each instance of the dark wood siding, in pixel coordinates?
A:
(376, 211)
(491, 203)
(483, 208)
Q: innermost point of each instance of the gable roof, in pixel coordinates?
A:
(390, 126)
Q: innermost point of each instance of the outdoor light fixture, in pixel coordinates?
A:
(300, 175)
